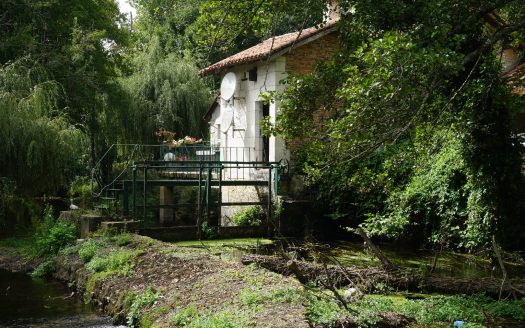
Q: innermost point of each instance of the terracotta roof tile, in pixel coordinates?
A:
(267, 48)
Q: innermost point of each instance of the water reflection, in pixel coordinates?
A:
(31, 302)
(448, 264)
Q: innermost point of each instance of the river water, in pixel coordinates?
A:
(32, 302)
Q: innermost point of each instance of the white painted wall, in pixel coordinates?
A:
(245, 129)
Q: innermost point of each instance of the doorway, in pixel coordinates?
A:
(265, 139)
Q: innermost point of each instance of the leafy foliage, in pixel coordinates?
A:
(44, 269)
(222, 29)
(88, 250)
(139, 303)
(250, 216)
(40, 147)
(411, 123)
(436, 310)
(117, 261)
(54, 234)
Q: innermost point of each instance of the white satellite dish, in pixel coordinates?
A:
(228, 86)
(226, 118)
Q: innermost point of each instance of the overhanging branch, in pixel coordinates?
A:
(496, 36)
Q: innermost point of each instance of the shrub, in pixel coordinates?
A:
(123, 239)
(208, 231)
(54, 234)
(139, 303)
(250, 216)
(88, 250)
(44, 269)
(119, 262)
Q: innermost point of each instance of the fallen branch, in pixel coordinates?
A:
(377, 252)
(406, 280)
(386, 320)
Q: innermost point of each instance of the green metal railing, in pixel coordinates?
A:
(202, 166)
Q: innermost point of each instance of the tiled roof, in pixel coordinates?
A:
(269, 47)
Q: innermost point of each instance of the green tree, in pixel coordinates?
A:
(164, 87)
(78, 44)
(418, 125)
(40, 149)
(167, 92)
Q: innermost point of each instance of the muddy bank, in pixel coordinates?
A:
(163, 285)
(13, 260)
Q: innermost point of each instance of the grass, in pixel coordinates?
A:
(225, 242)
(191, 317)
(104, 258)
(435, 310)
(226, 249)
(24, 246)
(116, 261)
(254, 297)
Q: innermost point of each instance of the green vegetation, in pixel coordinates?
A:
(254, 297)
(88, 249)
(123, 239)
(192, 318)
(44, 269)
(54, 234)
(417, 139)
(440, 311)
(115, 261)
(104, 258)
(232, 242)
(149, 297)
(250, 216)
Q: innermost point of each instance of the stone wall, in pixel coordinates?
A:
(240, 194)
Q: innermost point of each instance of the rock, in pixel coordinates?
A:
(352, 294)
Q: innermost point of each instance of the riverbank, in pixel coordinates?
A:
(144, 282)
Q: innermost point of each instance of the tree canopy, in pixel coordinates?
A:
(418, 138)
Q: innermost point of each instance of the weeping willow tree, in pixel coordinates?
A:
(40, 150)
(166, 92)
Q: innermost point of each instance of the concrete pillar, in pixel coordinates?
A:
(166, 214)
(89, 223)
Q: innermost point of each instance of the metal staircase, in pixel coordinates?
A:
(136, 169)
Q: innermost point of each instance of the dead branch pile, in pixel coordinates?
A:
(399, 279)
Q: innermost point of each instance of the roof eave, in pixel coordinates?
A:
(274, 54)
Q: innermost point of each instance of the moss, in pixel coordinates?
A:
(225, 242)
(91, 282)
